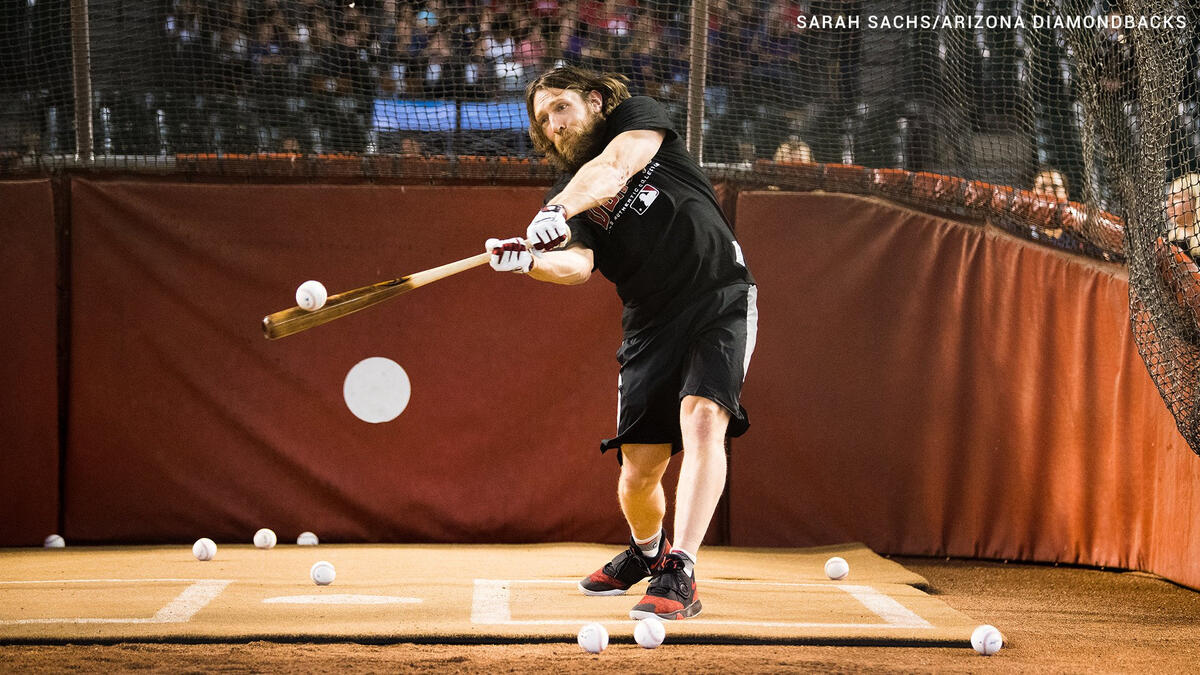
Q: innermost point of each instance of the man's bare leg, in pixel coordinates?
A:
(640, 487)
(672, 594)
(644, 504)
(702, 475)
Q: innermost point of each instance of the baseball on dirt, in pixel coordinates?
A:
(593, 638)
(265, 538)
(650, 633)
(837, 568)
(204, 549)
(307, 539)
(54, 541)
(322, 573)
(987, 640)
(311, 295)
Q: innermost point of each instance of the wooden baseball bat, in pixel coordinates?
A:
(294, 319)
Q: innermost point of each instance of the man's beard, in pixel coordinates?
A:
(576, 148)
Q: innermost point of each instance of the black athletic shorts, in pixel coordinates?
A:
(702, 352)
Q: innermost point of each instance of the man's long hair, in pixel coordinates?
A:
(612, 88)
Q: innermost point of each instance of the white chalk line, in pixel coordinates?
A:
(107, 581)
(181, 609)
(490, 604)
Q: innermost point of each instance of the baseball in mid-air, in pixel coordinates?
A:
(650, 633)
(265, 538)
(311, 295)
(987, 640)
(593, 638)
(54, 541)
(322, 573)
(307, 539)
(837, 568)
(204, 549)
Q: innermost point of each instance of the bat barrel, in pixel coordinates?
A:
(294, 319)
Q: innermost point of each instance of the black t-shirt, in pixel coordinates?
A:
(663, 239)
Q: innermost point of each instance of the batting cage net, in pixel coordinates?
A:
(1072, 122)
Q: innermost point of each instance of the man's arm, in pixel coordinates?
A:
(603, 176)
(571, 265)
(594, 183)
(568, 266)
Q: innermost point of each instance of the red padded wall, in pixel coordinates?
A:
(930, 387)
(921, 385)
(29, 405)
(187, 422)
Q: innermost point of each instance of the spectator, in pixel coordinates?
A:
(1183, 207)
(273, 83)
(460, 33)
(793, 150)
(644, 78)
(499, 50)
(410, 147)
(393, 51)
(776, 51)
(185, 90)
(437, 66)
(545, 15)
(596, 47)
(1051, 184)
(570, 38)
(235, 127)
(478, 74)
(614, 20)
(530, 51)
(344, 89)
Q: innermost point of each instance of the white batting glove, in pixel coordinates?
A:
(509, 255)
(549, 229)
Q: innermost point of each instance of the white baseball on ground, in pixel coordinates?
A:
(265, 538)
(593, 638)
(837, 568)
(307, 539)
(650, 633)
(311, 295)
(987, 640)
(204, 549)
(54, 541)
(322, 573)
(377, 390)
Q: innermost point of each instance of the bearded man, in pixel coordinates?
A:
(634, 205)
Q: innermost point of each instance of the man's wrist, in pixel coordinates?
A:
(555, 207)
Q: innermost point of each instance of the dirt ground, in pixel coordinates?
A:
(1055, 620)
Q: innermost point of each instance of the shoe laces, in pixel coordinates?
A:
(633, 556)
(673, 563)
(673, 578)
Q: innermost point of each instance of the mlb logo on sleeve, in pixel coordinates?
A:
(644, 199)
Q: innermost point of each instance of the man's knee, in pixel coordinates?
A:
(636, 482)
(642, 467)
(702, 417)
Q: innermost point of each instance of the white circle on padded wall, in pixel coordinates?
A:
(377, 390)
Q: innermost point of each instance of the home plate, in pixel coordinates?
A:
(343, 599)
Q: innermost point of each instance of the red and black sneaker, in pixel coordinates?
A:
(672, 593)
(625, 570)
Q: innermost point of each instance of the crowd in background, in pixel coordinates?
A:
(250, 76)
(306, 72)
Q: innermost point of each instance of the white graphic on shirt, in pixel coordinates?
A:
(737, 254)
(644, 199)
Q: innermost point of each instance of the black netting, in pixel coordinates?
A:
(1072, 122)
